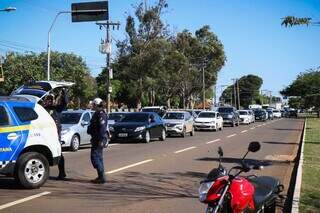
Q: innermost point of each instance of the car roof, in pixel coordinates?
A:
(209, 111)
(13, 99)
(55, 84)
(176, 111)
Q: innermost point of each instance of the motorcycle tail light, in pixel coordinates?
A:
(203, 190)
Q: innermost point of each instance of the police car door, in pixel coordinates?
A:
(10, 136)
(85, 120)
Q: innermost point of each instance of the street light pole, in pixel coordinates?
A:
(204, 89)
(49, 33)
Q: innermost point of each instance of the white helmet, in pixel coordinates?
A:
(97, 101)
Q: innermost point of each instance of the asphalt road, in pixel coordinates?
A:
(159, 176)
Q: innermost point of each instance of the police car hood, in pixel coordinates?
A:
(67, 126)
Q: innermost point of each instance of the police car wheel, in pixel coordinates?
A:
(32, 170)
(147, 137)
(75, 143)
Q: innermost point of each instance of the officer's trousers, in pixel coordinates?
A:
(97, 160)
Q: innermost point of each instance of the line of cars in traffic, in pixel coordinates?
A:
(157, 123)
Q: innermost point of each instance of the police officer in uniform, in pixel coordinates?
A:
(98, 131)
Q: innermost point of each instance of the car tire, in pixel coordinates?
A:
(75, 143)
(233, 124)
(163, 135)
(147, 137)
(221, 127)
(183, 134)
(24, 174)
(192, 132)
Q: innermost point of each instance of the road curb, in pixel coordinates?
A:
(297, 187)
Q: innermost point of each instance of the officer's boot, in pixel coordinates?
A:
(62, 172)
(101, 179)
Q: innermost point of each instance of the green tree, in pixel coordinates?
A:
(20, 68)
(307, 88)
(249, 89)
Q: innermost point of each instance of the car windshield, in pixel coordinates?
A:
(225, 110)
(115, 116)
(258, 112)
(243, 113)
(207, 115)
(174, 115)
(70, 118)
(34, 92)
(136, 117)
(276, 111)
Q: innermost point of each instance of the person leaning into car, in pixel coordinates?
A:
(54, 108)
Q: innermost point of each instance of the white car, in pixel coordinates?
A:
(29, 141)
(179, 123)
(276, 113)
(208, 120)
(246, 116)
(74, 128)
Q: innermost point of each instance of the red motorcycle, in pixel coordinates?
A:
(225, 191)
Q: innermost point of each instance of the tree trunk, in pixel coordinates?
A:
(169, 103)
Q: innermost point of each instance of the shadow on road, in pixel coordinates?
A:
(9, 183)
(279, 143)
(247, 160)
(130, 187)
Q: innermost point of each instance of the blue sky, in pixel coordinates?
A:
(254, 40)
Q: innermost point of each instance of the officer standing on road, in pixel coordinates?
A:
(98, 131)
(54, 110)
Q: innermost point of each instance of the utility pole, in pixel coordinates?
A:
(238, 92)
(204, 89)
(105, 48)
(234, 92)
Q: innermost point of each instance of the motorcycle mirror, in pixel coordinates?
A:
(220, 151)
(254, 146)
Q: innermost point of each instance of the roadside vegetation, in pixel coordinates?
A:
(310, 193)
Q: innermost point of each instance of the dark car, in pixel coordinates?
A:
(230, 116)
(141, 126)
(115, 117)
(260, 114)
(270, 114)
(192, 113)
(292, 113)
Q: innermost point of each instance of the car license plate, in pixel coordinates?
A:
(123, 135)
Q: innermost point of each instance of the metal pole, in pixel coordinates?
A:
(203, 88)
(108, 69)
(238, 91)
(49, 36)
(234, 92)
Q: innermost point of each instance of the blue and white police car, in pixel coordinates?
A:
(29, 142)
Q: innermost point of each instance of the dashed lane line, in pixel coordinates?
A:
(4, 206)
(130, 166)
(229, 136)
(252, 128)
(216, 140)
(186, 149)
(244, 131)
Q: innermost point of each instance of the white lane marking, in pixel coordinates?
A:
(23, 200)
(216, 140)
(130, 166)
(229, 136)
(264, 124)
(259, 126)
(186, 149)
(252, 128)
(244, 131)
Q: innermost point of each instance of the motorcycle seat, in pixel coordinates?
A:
(264, 189)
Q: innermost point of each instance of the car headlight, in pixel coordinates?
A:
(111, 129)
(65, 131)
(203, 190)
(140, 128)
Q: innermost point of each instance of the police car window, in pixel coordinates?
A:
(25, 113)
(4, 118)
(86, 117)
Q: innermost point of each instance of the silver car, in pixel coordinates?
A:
(179, 123)
(74, 128)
